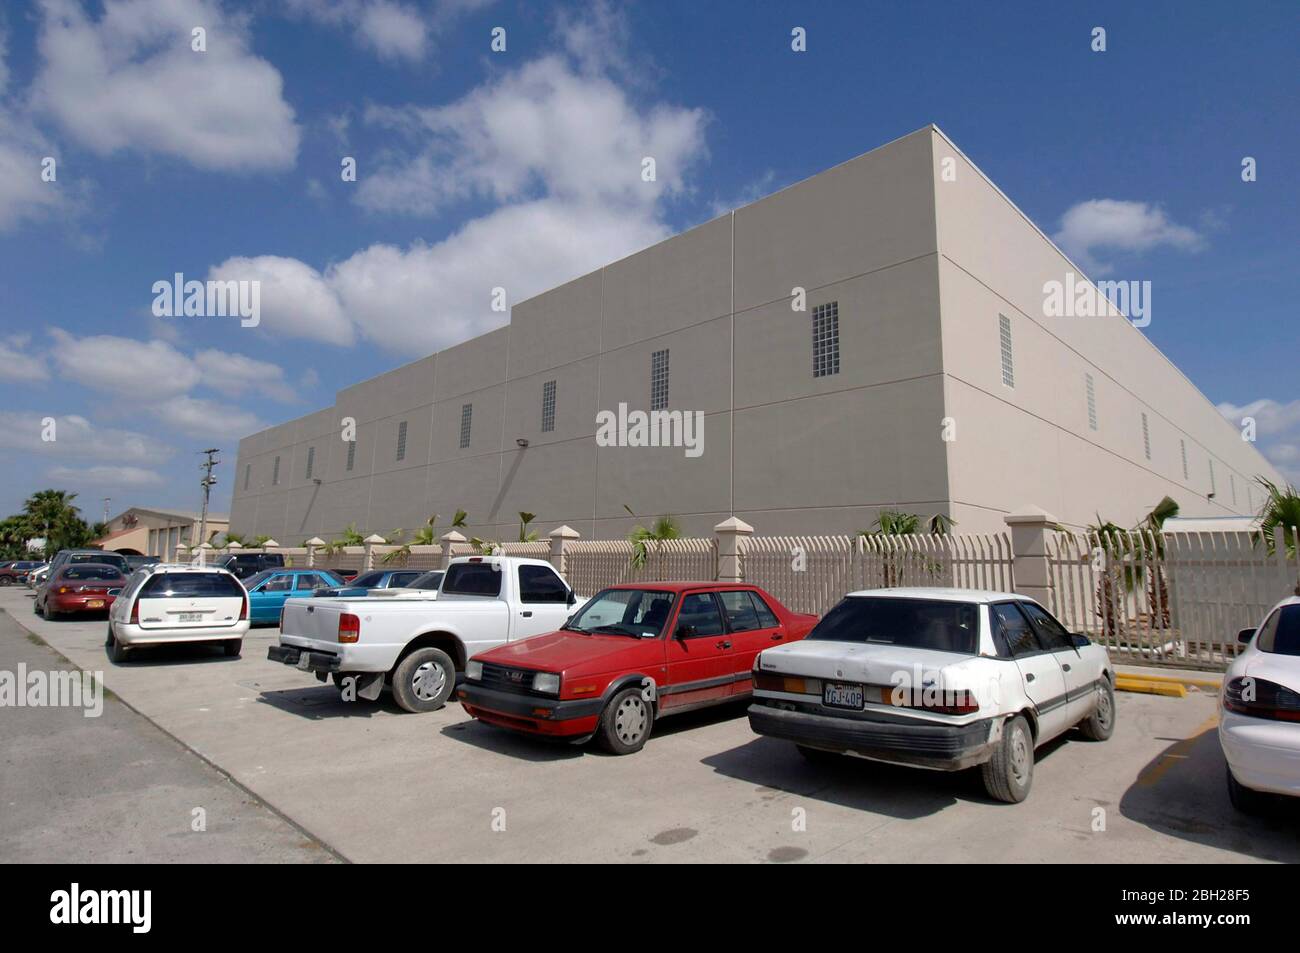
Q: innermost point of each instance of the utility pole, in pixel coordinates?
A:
(207, 483)
(107, 500)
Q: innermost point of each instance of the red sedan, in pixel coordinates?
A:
(80, 587)
(631, 655)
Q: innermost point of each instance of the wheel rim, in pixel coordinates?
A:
(1021, 756)
(630, 720)
(1103, 708)
(428, 681)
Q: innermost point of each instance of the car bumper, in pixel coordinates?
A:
(534, 714)
(305, 660)
(919, 744)
(80, 603)
(135, 635)
(1263, 755)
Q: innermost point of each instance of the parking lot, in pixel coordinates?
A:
(374, 784)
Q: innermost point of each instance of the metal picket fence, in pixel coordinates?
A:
(592, 565)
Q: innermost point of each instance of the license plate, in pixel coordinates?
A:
(191, 617)
(94, 603)
(840, 695)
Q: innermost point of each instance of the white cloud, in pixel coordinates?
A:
(223, 370)
(394, 30)
(295, 299)
(77, 437)
(559, 149)
(109, 477)
(19, 364)
(203, 417)
(1277, 428)
(130, 81)
(123, 366)
(1112, 225)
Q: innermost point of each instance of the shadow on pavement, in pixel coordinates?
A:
(514, 745)
(1183, 793)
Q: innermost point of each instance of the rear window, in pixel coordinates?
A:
(111, 559)
(430, 580)
(912, 623)
(171, 584)
(91, 571)
(472, 579)
(369, 581)
(1280, 634)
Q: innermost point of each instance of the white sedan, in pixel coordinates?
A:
(936, 678)
(1259, 724)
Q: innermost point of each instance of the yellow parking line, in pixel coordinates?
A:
(1178, 752)
(1179, 679)
(1147, 687)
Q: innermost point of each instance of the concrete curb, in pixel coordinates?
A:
(256, 798)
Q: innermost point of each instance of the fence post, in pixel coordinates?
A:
(558, 536)
(370, 542)
(181, 553)
(449, 541)
(729, 533)
(1031, 527)
(311, 545)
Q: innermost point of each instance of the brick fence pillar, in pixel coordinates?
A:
(1031, 528)
(560, 537)
(449, 543)
(730, 534)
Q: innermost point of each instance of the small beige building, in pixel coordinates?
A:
(877, 336)
(154, 532)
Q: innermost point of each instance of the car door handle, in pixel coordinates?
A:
(723, 645)
(1029, 677)
(527, 613)
(777, 636)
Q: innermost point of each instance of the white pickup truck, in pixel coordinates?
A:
(415, 644)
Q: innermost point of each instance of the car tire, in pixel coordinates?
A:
(117, 652)
(48, 614)
(6, 581)
(819, 755)
(424, 680)
(1009, 774)
(1244, 799)
(232, 647)
(626, 722)
(1100, 725)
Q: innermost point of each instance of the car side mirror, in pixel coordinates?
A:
(1245, 635)
(685, 631)
(572, 598)
(1080, 640)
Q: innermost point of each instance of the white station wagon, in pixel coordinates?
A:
(946, 679)
(165, 603)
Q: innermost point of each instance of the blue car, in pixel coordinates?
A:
(268, 589)
(386, 579)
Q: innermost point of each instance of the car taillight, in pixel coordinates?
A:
(1260, 698)
(939, 701)
(135, 612)
(62, 589)
(243, 608)
(349, 627)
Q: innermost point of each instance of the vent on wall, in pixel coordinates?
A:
(1182, 448)
(248, 474)
(1004, 340)
(1092, 401)
(659, 380)
(352, 454)
(401, 441)
(826, 339)
(275, 473)
(311, 460)
(1146, 437)
(548, 407)
(466, 413)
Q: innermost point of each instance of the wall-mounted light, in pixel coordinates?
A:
(521, 441)
(316, 480)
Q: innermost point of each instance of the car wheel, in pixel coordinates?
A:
(1101, 723)
(1009, 774)
(818, 755)
(117, 652)
(1243, 798)
(48, 614)
(626, 722)
(423, 681)
(5, 581)
(233, 647)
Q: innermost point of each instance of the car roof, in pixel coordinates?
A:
(181, 567)
(683, 586)
(944, 594)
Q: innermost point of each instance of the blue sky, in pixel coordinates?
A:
(479, 169)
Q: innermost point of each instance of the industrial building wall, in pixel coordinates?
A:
(1033, 441)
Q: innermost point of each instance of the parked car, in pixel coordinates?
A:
(74, 556)
(936, 678)
(79, 588)
(269, 589)
(245, 565)
(424, 586)
(631, 655)
(169, 602)
(37, 576)
(1259, 720)
(417, 643)
(376, 579)
(134, 562)
(12, 573)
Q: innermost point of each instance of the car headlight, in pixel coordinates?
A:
(548, 683)
(473, 670)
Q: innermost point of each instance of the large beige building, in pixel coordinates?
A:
(923, 373)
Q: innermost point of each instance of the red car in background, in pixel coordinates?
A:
(632, 654)
(79, 587)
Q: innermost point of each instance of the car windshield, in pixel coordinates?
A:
(430, 580)
(370, 580)
(92, 571)
(913, 623)
(639, 613)
(258, 578)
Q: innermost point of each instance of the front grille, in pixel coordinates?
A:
(501, 678)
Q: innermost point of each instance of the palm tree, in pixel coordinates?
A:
(260, 540)
(652, 537)
(426, 535)
(1157, 585)
(349, 537)
(525, 535)
(53, 514)
(1281, 508)
(233, 538)
(890, 523)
